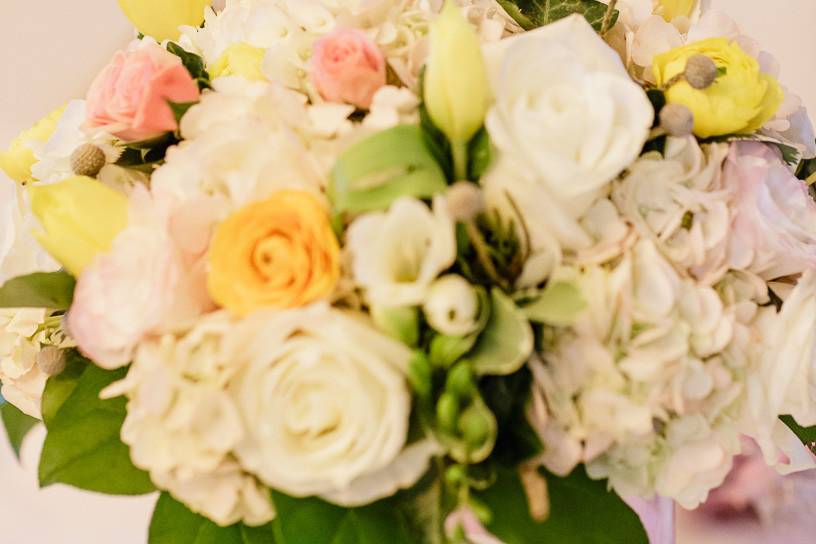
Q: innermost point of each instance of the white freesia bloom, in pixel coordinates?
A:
(566, 110)
(325, 405)
(396, 255)
(182, 424)
(452, 306)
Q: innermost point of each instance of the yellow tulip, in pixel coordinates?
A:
(456, 86)
(240, 59)
(671, 9)
(161, 19)
(18, 159)
(80, 218)
(740, 100)
(275, 253)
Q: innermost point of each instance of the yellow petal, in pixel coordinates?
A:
(18, 159)
(161, 19)
(240, 59)
(671, 9)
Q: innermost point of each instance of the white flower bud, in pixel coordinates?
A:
(452, 306)
(465, 201)
(701, 72)
(677, 120)
(87, 160)
(51, 361)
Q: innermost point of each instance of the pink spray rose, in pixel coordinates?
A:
(129, 97)
(775, 216)
(348, 67)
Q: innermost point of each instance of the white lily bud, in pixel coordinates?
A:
(452, 306)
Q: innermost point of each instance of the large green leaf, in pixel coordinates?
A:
(83, 448)
(507, 340)
(582, 511)
(531, 14)
(58, 388)
(174, 523)
(17, 424)
(54, 290)
(557, 305)
(806, 434)
(384, 167)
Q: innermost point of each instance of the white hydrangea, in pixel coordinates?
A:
(679, 202)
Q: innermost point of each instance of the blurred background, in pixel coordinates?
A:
(50, 51)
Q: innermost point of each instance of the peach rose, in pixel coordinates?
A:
(277, 253)
(348, 67)
(129, 97)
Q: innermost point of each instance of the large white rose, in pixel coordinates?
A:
(396, 255)
(325, 405)
(566, 109)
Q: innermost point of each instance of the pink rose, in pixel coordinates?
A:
(348, 67)
(129, 97)
(774, 230)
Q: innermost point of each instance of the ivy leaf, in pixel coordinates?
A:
(507, 340)
(384, 167)
(558, 305)
(53, 290)
(174, 523)
(17, 425)
(806, 434)
(83, 448)
(530, 14)
(583, 511)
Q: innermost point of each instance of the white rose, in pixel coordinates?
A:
(23, 382)
(566, 109)
(326, 405)
(452, 306)
(397, 254)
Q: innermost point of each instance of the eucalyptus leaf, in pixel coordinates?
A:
(530, 14)
(506, 342)
(174, 523)
(83, 448)
(384, 167)
(583, 511)
(53, 290)
(558, 305)
(17, 425)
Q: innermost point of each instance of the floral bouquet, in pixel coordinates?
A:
(371, 271)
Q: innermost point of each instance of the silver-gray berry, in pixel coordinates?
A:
(701, 72)
(87, 160)
(677, 120)
(51, 361)
(465, 200)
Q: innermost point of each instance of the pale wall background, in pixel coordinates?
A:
(49, 52)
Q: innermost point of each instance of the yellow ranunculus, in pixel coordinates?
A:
(671, 9)
(80, 218)
(18, 159)
(277, 253)
(456, 86)
(161, 19)
(740, 100)
(240, 59)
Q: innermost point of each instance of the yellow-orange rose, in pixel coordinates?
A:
(278, 253)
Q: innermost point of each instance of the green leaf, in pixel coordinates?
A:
(180, 108)
(318, 522)
(53, 290)
(806, 434)
(17, 425)
(558, 305)
(507, 340)
(174, 523)
(530, 14)
(83, 448)
(398, 322)
(194, 64)
(58, 388)
(384, 167)
(790, 154)
(481, 155)
(583, 511)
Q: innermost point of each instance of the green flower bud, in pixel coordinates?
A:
(455, 475)
(420, 375)
(460, 381)
(474, 426)
(447, 412)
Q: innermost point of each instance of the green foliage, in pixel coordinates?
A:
(558, 305)
(17, 424)
(83, 448)
(58, 388)
(507, 340)
(582, 512)
(174, 523)
(194, 64)
(384, 167)
(791, 155)
(53, 290)
(507, 397)
(481, 155)
(180, 108)
(806, 434)
(530, 14)
(399, 322)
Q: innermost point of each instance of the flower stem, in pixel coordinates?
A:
(607, 20)
(460, 160)
(483, 254)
